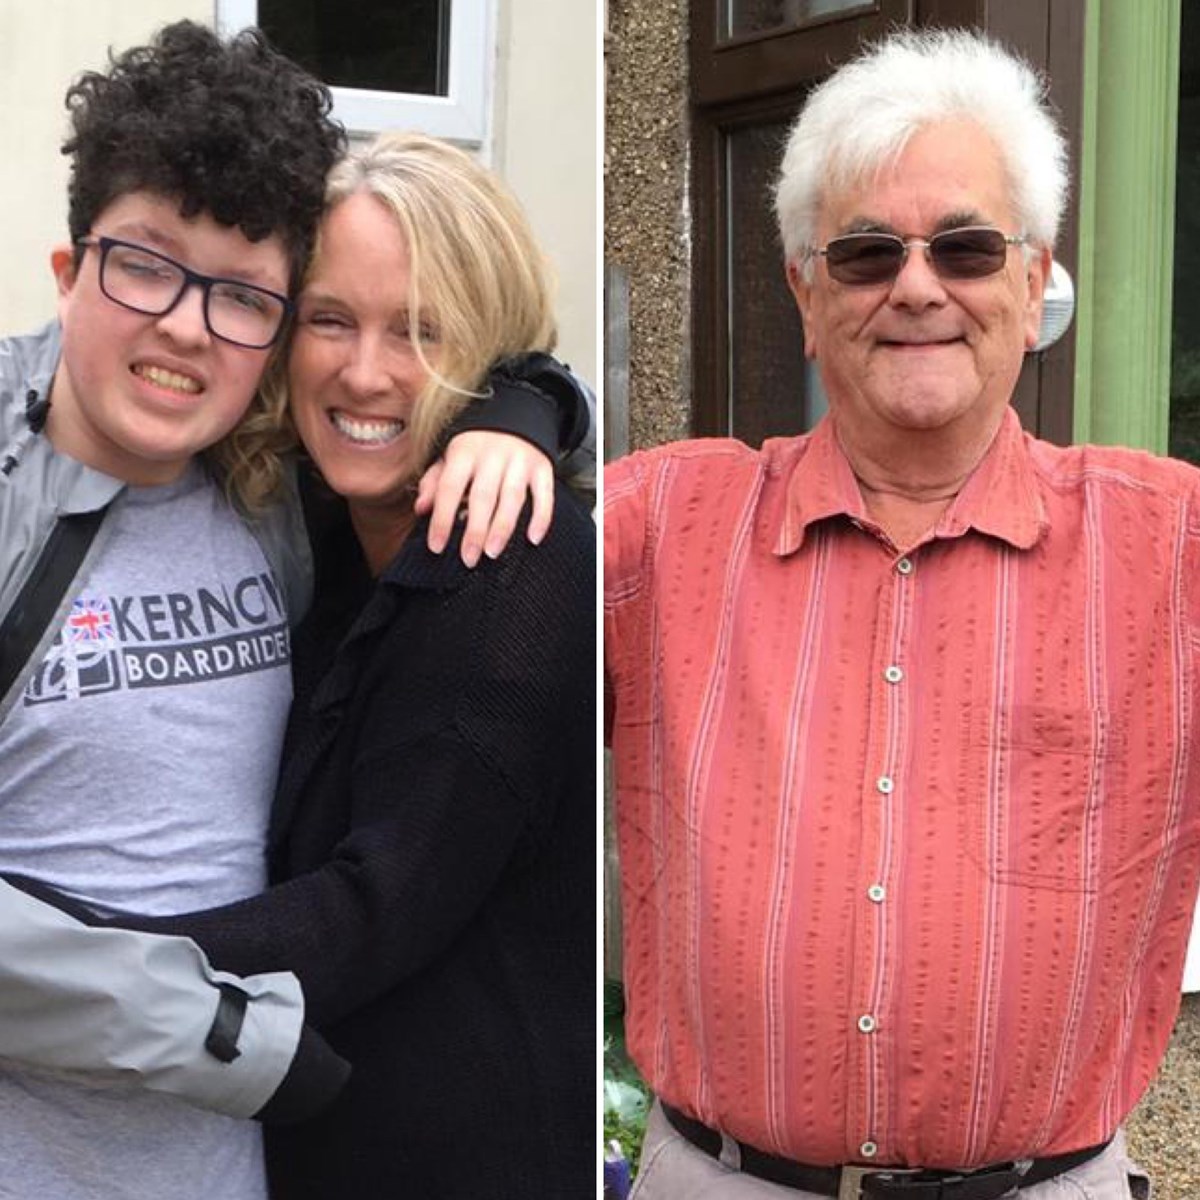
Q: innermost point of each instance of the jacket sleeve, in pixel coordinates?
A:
(478, 740)
(129, 1005)
(535, 397)
(578, 468)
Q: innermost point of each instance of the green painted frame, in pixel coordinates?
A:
(1127, 223)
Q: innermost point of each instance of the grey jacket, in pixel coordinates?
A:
(127, 1004)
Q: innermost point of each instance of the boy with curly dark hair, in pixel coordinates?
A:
(145, 667)
(234, 130)
(188, 140)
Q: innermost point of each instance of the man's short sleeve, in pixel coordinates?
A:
(625, 567)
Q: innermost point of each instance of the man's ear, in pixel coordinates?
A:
(1037, 274)
(62, 263)
(802, 291)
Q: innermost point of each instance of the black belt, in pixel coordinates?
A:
(987, 1183)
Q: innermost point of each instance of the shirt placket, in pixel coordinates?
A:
(883, 786)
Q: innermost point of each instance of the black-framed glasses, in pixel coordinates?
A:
(871, 259)
(151, 283)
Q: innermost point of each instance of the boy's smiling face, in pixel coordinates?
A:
(138, 396)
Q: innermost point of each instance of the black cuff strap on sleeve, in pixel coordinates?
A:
(222, 1038)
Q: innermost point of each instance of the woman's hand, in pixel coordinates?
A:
(494, 471)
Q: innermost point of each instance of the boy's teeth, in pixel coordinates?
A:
(373, 432)
(168, 379)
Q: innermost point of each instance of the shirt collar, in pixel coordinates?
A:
(1000, 497)
(821, 485)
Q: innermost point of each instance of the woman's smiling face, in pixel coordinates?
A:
(354, 373)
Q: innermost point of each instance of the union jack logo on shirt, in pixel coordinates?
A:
(89, 621)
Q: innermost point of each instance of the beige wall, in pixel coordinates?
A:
(546, 144)
(542, 137)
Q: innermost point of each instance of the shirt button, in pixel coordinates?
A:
(866, 1023)
(885, 785)
(868, 1149)
(893, 674)
(904, 566)
(876, 892)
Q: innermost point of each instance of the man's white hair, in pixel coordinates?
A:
(860, 120)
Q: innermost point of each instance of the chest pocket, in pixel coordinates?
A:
(1045, 773)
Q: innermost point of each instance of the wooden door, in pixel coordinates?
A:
(752, 63)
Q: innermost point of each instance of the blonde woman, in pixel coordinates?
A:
(432, 847)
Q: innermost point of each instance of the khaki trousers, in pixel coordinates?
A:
(673, 1169)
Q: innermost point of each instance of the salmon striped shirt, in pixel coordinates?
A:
(909, 841)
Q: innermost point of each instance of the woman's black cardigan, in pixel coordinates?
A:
(433, 862)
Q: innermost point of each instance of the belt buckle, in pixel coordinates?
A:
(851, 1179)
(850, 1182)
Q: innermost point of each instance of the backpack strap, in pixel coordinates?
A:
(43, 592)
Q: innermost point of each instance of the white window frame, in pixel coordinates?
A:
(460, 116)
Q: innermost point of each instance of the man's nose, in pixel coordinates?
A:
(917, 283)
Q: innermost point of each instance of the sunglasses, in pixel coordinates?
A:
(870, 259)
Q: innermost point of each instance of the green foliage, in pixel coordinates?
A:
(626, 1096)
(627, 1132)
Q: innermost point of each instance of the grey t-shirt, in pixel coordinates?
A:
(138, 771)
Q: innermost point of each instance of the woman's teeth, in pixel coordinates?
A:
(368, 433)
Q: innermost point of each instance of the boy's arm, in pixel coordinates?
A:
(149, 1008)
(504, 447)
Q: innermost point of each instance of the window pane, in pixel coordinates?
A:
(1185, 345)
(770, 388)
(742, 17)
(364, 44)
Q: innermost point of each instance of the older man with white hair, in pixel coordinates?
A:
(902, 709)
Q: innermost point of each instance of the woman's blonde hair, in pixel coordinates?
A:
(475, 274)
(248, 460)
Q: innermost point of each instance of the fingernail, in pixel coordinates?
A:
(470, 553)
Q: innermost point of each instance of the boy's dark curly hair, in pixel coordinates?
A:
(233, 129)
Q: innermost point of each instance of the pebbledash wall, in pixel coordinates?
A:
(533, 89)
